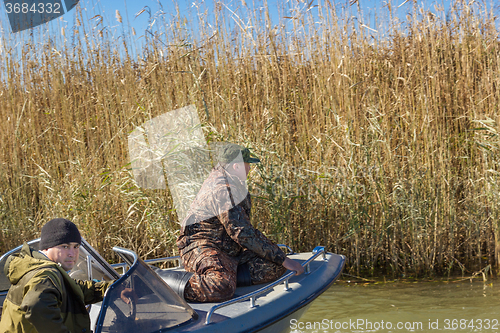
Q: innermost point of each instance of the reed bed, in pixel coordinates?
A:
(383, 147)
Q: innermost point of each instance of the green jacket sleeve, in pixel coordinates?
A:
(93, 292)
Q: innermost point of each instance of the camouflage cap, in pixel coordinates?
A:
(228, 153)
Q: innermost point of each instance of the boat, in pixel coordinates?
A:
(156, 307)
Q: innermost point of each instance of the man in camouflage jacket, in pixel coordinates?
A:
(43, 298)
(218, 243)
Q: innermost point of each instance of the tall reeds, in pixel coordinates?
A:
(382, 147)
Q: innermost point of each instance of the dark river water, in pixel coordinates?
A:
(463, 306)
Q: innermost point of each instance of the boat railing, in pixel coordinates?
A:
(124, 266)
(287, 248)
(252, 296)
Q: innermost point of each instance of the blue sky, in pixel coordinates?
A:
(371, 10)
(367, 12)
(190, 8)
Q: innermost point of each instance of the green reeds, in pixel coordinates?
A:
(382, 147)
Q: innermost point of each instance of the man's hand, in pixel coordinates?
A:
(293, 265)
(127, 295)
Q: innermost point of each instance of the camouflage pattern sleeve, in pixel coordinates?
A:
(237, 224)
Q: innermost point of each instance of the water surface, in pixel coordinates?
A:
(463, 306)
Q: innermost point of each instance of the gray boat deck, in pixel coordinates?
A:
(275, 307)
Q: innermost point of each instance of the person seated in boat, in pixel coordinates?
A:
(43, 297)
(218, 245)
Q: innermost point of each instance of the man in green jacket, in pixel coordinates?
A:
(43, 298)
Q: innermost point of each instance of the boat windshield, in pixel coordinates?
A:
(140, 301)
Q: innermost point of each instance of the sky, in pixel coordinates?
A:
(188, 8)
(129, 9)
(140, 15)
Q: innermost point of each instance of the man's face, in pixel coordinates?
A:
(64, 254)
(248, 166)
(241, 170)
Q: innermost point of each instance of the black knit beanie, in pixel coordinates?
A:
(59, 231)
